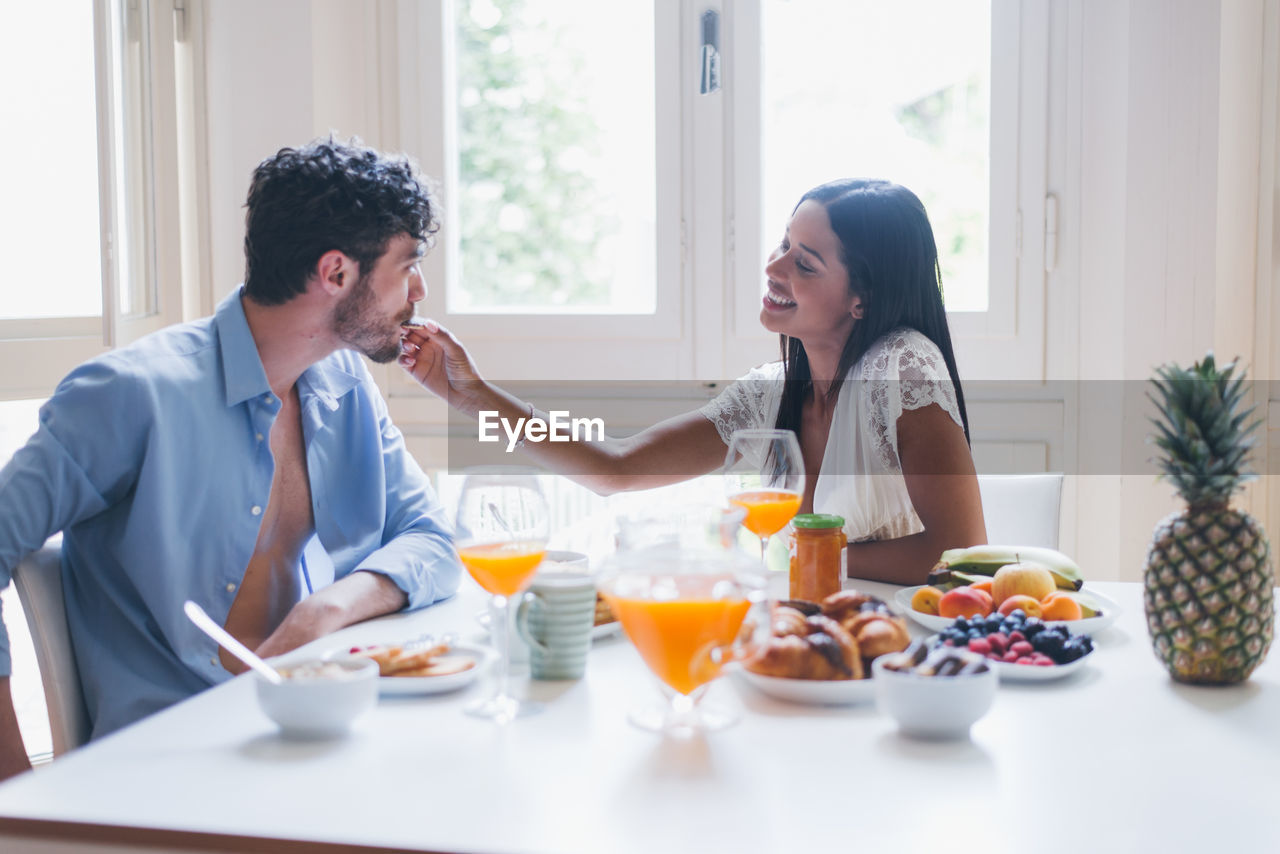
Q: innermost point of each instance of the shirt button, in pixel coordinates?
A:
(230, 587)
(255, 510)
(258, 436)
(266, 398)
(215, 662)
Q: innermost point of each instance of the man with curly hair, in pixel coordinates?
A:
(245, 461)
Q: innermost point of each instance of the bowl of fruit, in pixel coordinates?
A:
(1022, 648)
(988, 580)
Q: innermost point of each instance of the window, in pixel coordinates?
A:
(98, 222)
(555, 157)
(519, 105)
(844, 95)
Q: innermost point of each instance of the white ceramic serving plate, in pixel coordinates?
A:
(395, 686)
(811, 692)
(1030, 672)
(1090, 626)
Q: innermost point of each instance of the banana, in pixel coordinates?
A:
(985, 560)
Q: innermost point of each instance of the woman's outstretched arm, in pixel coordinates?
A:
(677, 449)
(943, 486)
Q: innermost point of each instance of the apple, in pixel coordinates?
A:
(1025, 578)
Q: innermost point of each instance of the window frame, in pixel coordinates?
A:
(36, 353)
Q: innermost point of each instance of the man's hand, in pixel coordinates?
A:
(359, 596)
(13, 754)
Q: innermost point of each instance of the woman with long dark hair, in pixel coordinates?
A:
(867, 381)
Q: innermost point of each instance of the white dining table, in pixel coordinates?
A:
(1115, 757)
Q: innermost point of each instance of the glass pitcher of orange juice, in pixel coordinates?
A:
(685, 596)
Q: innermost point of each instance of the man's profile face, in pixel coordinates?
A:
(368, 319)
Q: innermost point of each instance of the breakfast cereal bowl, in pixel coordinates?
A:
(936, 707)
(319, 699)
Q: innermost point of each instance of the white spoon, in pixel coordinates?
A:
(206, 624)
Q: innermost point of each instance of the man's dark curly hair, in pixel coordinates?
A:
(328, 195)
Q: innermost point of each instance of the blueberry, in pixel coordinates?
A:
(974, 634)
(1049, 644)
(961, 623)
(1069, 653)
(1018, 615)
(1032, 629)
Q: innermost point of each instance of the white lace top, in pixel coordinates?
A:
(861, 476)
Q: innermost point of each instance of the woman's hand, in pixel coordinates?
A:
(433, 357)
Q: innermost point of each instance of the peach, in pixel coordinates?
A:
(1029, 579)
(963, 602)
(984, 586)
(925, 600)
(1060, 606)
(1029, 606)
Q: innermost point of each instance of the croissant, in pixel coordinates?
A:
(882, 634)
(788, 621)
(822, 651)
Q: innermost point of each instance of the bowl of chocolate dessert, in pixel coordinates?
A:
(938, 693)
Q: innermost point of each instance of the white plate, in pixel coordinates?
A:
(1010, 672)
(390, 686)
(1090, 626)
(1032, 673)
(812, 692)
(604, 630)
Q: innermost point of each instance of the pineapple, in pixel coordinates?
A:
(1208, 581)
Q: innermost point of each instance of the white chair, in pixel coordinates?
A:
(38, 579)
(1021, 509)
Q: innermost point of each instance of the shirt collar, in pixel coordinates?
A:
(242, 368)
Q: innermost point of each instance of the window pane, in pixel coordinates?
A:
(862, 89)
(50, 211)
(556, 170)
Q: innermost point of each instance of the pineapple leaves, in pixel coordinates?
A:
(1203, 428)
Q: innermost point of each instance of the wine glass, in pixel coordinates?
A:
(684, 602)
(764, 475)
(501, 536)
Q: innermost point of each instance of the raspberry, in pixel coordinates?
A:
(1016, 637)
(980, 646)
(1009, 657)
(1021, 648)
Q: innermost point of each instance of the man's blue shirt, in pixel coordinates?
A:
(155, 462)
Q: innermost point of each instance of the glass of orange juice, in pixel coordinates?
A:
(501, 537)
(688, 611)
(764, 475)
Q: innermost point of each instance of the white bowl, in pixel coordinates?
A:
(320, 707)
(933, 706)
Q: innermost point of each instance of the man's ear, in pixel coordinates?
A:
(336, 272)
(856, 308)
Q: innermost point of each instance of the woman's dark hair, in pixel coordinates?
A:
(886, 244)
(327, 195)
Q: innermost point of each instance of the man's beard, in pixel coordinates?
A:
(357, 325)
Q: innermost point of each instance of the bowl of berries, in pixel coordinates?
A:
(1023, 648)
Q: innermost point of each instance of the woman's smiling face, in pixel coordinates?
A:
(809, 296)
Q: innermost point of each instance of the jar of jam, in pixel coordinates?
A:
(816, 550)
